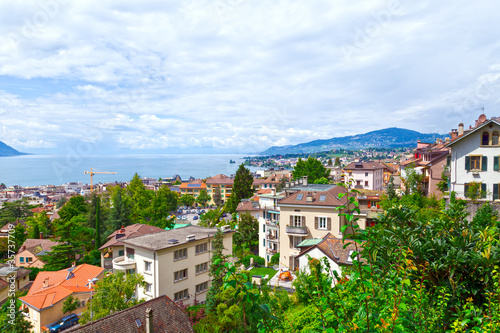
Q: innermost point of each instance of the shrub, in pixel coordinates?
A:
(275, 259)
(256, 260)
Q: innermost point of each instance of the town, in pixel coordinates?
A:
(275, 250)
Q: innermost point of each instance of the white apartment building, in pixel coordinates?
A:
(269, 217)
(365, 175)
(174, 263)
(475, 158)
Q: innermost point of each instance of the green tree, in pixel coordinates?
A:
(177, 182)
(330, 163)
(337, 161)
(164, 202)
(11, 317)
(203, 198)
(61, 202)
(217, 197)
(140, 198)
(19, 236)
(115, 292)
(210, 218)
(322, 180)
(281, 185)
(248, 229)
(391, 192)
(187, 200)
(442, 185)
(216, 272)
(70, 304)
(312, 168)
(75, 206)
(121, 211)
(242, 188)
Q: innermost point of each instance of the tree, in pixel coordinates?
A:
(281, 185)
(115, 292)
(391, 192)
(217, 197)
(177, 182)
(442, 185)
(70, 304)
(164, 202)
(248, 229)
(330, 163)
(187, 200)
(11, 317)
(413, 181)
(211, 218)
(312, 168)
(121, 211)
(19, 236)
(322, 180)
(337, 161)
(242, 188)
(61, 202)
(203, 198)
(75, 206)
(140, 198)
(216, 272)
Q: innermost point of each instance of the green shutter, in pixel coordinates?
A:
(484, 164)
(495, 163)
(448, 160)
(483, 190)
(467, 163)
(466, 190)
(495, 191)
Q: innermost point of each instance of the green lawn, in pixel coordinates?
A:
(262, 271)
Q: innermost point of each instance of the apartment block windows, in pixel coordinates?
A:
(184, 294)
(366, 174)
(147, 289)
(180, 275)
(147, 266)
(180, 254)
(21, 259)
(201, 248)
(202, 287)
(366, 183)
(321, 223)
(201, 268)
(476, 163)
(495, 163)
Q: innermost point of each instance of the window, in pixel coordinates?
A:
(322, 223)
(29, 259)
(263, 228)
(130, 253)
(485, 139)
(201, 268)
(130, 271)
(184, 294)
(297, 241)
(121, 253)
(201, 248)
(496, 163)
(147, 289)
(495, 191)
(21, 259)
(494, 138)
(366, 183)
(366, 174)
(475, 190)
(322, 197)
(181, 275)
(476, 163)
(297, 221)
(147, 266)
(202, 287)
(180, 254)
(299, 196)
(82, 304)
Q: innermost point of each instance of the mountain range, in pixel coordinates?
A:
(8, 150)
(392, 137)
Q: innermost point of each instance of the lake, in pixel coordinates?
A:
(34, 170)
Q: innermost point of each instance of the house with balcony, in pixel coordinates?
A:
(174, 262)
(193, 188)
(30, 254)
(114, 247)
(44, 302)
(269, 230)
(310, 212)
(364, 175)
(221, 182)
(475, 159)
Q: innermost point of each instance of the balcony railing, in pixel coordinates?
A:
(123, 263)
(271, 251)
(272, 223)
(291, 230)
(271, 237)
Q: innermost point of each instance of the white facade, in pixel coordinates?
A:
(364, 178)
(269, 226)
(473, 161)
(317, 254)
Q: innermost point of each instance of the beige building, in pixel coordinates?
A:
(12, 279)
(310, 212)
(174, 263)
(43, 304)
(31, 252)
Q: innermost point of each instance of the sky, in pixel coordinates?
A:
(111, 76)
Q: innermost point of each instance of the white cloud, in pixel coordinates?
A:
(241, 74)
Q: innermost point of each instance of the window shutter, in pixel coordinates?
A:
(448, 160)
(495, 163)
(495, 191)
(315, 222)
(303, 221)
(291, 220)
(466, 189)
(467, 163)
(329, 223)
(369, 204)
(484, 164)
(483, 190)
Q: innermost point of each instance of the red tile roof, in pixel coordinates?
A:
(365, 166)
(335, 249)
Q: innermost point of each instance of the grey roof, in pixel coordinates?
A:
(312, 187)
(161, 240)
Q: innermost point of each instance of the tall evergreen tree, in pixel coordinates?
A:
(242, 188)
(217, 271)
(121, 211)
(391, 192)
(217, 197)
(12, 319)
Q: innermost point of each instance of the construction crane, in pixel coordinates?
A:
(91, 173)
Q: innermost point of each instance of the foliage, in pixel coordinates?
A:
(12, 211)
(256, 260)
(248, 230)
(442, 185)
(121, 212)
(391, 192)
(163, 202)
(322, 180)
(114, 293)
(474, 191)
(330, 163)
(216, 272)
(91, 258)
(217, 197)
(275, 259)
(19, 236)
(61, 202)
(210, 218)
(70, 304)
(75, 206)
(281, 185)
(242, 188)
(413, 181)
(187, 200)
(40, 222)
(203, 198)
(140, 198)
(11, 318)
(312, 168)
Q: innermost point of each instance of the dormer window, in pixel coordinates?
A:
(485, 139)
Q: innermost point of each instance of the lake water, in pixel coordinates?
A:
(34, 170)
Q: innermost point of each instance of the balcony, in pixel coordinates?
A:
(296, 231)
(446, 170)
(271, 237)
(272, 223)
(271, 251)
(123, 263)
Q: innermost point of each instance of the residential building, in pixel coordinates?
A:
(114, 247)
(43, 304)
(193, 188)
(430, 160)
(31, 252)
(223, 183)
(159, 314)
(364, 175)
(369, 206)
(310, 212)
(389, 170)
(269, 217)
(337, 252)
(12, 276)
(174, 263)
(250, 206)
(475, 158)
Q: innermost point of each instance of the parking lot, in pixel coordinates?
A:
(192, 216)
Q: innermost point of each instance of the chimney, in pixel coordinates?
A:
(309, 197)
(73, 264)
(41, 235)
(460, 129)
(149, 320)
(45, 283)
(454, 134)
(304, 181)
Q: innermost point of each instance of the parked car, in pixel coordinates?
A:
(184, 217)
(195, 217)
(203, 211)
(224, 214)
(64, 323)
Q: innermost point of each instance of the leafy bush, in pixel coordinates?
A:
(256, 260)
(275, 259)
